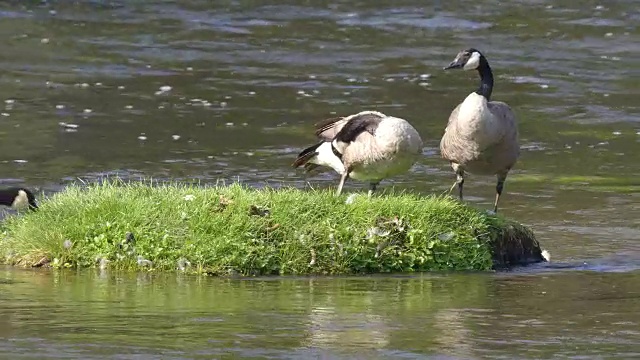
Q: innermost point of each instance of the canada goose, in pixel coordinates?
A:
(18, 198)
(368, 146)
(481, 136)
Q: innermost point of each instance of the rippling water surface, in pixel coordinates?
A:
(209, 90)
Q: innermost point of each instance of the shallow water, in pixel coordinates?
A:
(511, 315)
(86, 94)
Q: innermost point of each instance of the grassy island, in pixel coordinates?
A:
(222, 230)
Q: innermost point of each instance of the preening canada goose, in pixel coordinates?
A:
(18, 198)
(368, 146)
(482, 135)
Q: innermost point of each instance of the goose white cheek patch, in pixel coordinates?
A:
(473, 62)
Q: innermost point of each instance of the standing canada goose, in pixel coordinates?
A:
(482, 135)
(18, 198)
(368, 146)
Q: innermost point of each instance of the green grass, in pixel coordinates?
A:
(238, 230)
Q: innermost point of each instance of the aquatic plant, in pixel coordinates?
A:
(239, 230)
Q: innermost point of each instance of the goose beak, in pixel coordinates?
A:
(455, 64)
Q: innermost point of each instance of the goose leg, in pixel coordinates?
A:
(459, 178)
(343, 178)
(372, 187)
(499, 187)
(460, 182)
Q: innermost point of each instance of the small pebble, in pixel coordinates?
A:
(183, 264)
(67, 244)
(144, 262)
(544, 86)
(19, 161)
(59, 107)
(129, 107)
(121, 87)
(98, 84)
(175, 137)
(189, 68)
(4, 114)
(313, 258)
(229, 124)
(425, 76)
(87, 111)
(142, 138)
(616, 133)
(103, 263)
(446, 236)
(44, 41)
(223, 103)
(9, 101)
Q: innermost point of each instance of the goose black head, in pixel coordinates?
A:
(469, 59)
(18, 198)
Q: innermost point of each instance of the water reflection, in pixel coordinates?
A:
(461, 316)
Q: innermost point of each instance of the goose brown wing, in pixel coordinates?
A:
(327, 129)
(357, 125)
(347, 129)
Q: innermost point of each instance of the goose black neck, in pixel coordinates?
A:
(486, 79)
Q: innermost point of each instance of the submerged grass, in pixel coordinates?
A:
(239, 230)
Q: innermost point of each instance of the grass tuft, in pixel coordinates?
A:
(234, 229)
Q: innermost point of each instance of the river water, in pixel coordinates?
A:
(229, 90)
